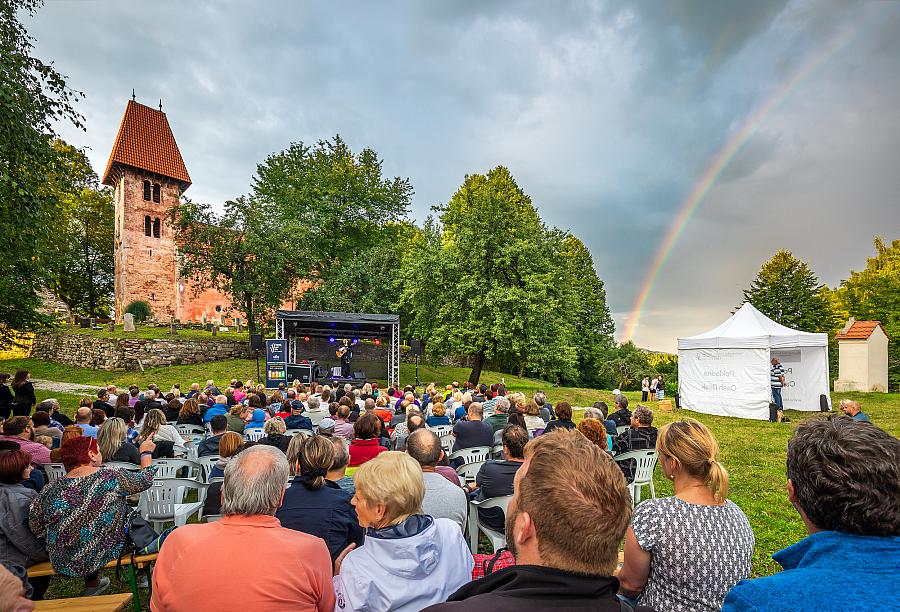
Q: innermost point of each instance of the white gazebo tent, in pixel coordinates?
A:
(725, 371)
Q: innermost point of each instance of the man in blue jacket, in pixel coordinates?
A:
(220, 407)
(844, 481)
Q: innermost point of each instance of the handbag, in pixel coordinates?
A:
(140, 539)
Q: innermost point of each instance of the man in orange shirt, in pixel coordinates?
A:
(247, 560)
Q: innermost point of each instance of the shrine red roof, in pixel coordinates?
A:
(860, 330)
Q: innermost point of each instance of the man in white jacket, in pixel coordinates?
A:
(409, 560)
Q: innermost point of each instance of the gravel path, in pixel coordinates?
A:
(64, 387)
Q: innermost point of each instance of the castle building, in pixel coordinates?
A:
(148, 174)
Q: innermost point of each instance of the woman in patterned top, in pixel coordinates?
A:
(685, 552)
(82, 516)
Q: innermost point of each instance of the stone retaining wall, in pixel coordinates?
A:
(124, 353)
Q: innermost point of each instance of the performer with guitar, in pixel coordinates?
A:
(345, 354)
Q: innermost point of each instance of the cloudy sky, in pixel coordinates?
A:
(608, 114)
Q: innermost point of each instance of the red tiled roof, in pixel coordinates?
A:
(145, 141)
(860, 330)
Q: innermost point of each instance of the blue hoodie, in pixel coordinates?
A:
(867, 578)
(259, 419)
(214, 410)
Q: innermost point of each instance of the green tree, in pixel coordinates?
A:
(623, 367)
(245, 253)
(592, 324)
(80, 265)
(333, 202)
(482, 280)
(367, 281)
(787, 291)
(874, 295)
(33, 96)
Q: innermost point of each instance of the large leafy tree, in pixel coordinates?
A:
(592, 324)
(368, 280)
(334, 202)
(873, 294)
(80, 265)
(245, 253)
(787, 291)
(483, 280)
(32, 97)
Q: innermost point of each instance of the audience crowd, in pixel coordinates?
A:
(347, 498)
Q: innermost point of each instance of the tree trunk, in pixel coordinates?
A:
(248, 310)
(476, 368)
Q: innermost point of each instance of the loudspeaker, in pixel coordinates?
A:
(256, 342)
(416, 347)
(336, 371)
(359, 375)
(773, 412)
(823, 403)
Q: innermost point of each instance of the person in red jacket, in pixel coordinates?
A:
(365, 444)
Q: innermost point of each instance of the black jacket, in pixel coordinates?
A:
(209, 446)
(325, 513)
(621, 417)
(24, 398)
(636, 438)
(279, 441)
(522, 588)
(108, 410)
(6, 400)
(559, 424)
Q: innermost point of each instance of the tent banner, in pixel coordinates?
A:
(726, 382)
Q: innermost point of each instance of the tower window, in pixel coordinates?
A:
(156, 192)
(156, 228)
(148, 226)
(147, 190)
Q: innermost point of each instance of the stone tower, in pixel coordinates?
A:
(148, 174)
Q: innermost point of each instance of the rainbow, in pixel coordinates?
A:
(712, 173)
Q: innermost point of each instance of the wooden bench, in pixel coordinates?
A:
(130, 573)
(99, 603)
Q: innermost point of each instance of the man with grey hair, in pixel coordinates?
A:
(498, 420)
(252, 492)
(51, 407)
(315, 411)
(443, 499)
(852, 409)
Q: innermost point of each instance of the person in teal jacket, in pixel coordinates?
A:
(844, 481)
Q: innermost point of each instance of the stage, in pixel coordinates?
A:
(308, 344)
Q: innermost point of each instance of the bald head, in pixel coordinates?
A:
(83, 415)
(254, 482)
(369, 405)
(425, 447)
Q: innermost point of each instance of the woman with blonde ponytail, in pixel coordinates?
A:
(685, 552)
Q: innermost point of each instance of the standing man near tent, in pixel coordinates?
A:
(776, 376)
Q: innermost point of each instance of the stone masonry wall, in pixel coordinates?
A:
(123, 353)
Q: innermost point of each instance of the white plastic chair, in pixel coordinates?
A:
(206, 465)
(213, 518)
(254, 434)
(55, 471)
(469, 471)
(497, 539)
(476, 454)
(169, 468)
(164, 501)
(645, 462)
(445, 433)
(188, 431)
(497, 451)
(620, 429)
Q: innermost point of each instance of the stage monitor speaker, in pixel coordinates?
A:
(359, 375)
(416, 348)
(256, 342)
(823, 403)
(336, 371)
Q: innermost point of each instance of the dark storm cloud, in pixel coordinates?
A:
(606, 113)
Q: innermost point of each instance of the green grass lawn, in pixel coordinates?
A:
(753, 451)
